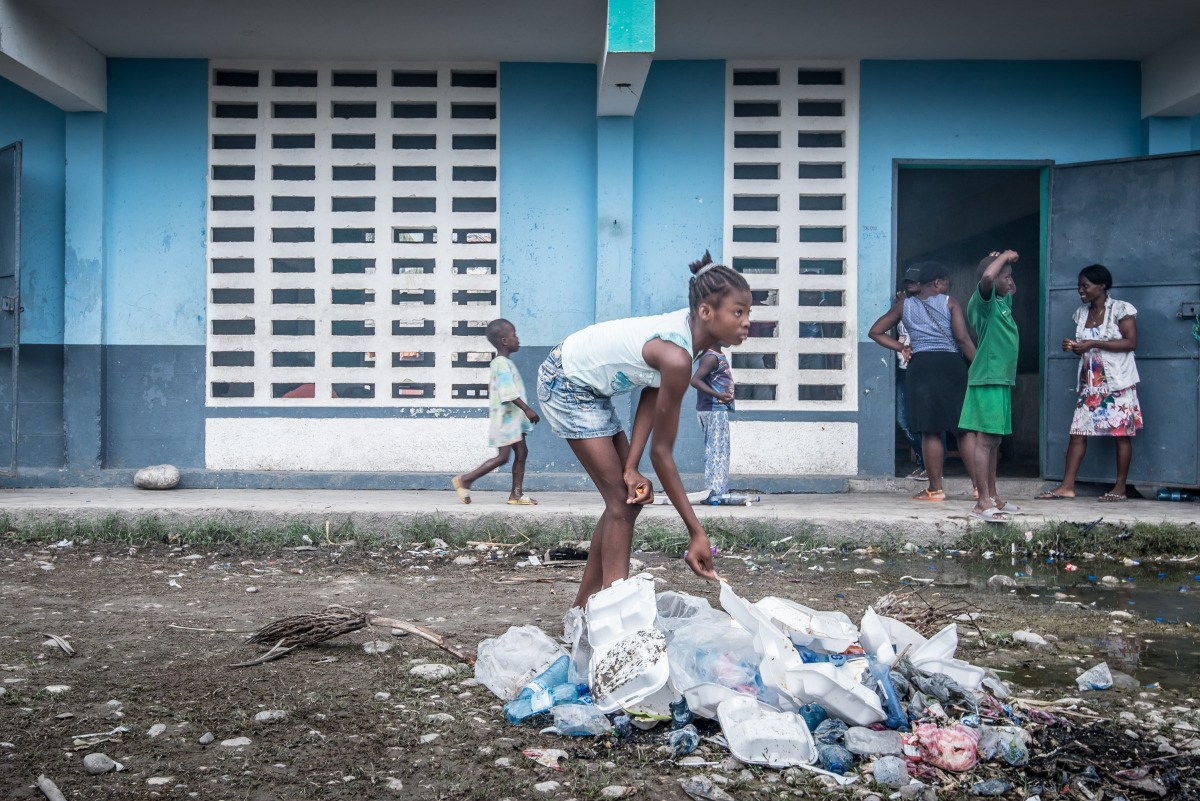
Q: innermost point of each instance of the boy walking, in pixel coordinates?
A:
(509, 417)
(987, 407)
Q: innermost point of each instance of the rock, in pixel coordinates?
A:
(865, 571)
(95, 764)
(156, 729)
(1123, 681)
(465, 560)
(636, 566)
(704, 788)
(919, 792)
(383, 696)
(236, 742)
(616, 791)
(158, 477)
(439, 544)
(439, 717)
(376, 647)
(55, 689)
(251, 590)
(399, 633)
(1121, 614)
(1132, 735)
(393, 784)
(159, 781)
(503, 762)
(270, 716)
(999, 582)
(731, 764)
(1110, 580)
(547, 787)
(426, 739)
(1030, 639)
(1167, 748)
(432, 672)
(206, 738)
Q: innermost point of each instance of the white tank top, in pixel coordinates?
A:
(607, 357)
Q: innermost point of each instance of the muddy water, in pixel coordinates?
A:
(1167, 592)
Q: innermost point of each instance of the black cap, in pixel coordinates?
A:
(931, 271)
(911, 276)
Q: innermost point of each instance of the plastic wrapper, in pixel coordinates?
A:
(509, 662)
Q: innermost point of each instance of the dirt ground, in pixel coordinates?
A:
(161, 652)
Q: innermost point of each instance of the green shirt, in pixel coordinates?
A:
(996, 354)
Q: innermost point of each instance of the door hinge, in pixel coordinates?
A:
(8, 304)
(1188, 311)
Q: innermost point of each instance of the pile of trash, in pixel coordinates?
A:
(789, 686)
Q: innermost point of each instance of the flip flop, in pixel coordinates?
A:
(1110, 497)
(522, 501)
(464, 495)
(1051, 496)
(989, 515)
(929, 495)
(1010, 509)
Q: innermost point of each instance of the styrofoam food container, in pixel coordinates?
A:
(633, 668)
(776, 651)
(657, 705)
(968, 676)
(831, 632)
(940, 646)
(761, 736)
(825, 684)
(885, 637)
(704, 698)
(620, 609)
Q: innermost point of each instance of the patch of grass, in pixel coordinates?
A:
(1141, 539)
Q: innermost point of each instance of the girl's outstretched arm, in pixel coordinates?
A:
(675, 366)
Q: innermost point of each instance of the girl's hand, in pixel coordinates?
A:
(726, 398)
(906, 353)
(1068, 344)
(699, 556)
(640, 490)
(1082, 346)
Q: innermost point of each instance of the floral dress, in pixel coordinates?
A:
(1101, 411)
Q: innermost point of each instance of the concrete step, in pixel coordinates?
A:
(955, 486)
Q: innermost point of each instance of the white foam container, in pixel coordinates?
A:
(758, 735)
(843, 698)
(629, 655)
(704, 698)
(778, 655)
(831, 632)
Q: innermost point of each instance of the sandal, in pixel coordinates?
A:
(464, 495)
(992, 515)
(1010, 508)
(524, 500)
(1112, 497)
(1053, 496)
(929, 495)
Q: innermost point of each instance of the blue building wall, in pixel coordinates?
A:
(39, 126)
(156, 164)
(1064, 111)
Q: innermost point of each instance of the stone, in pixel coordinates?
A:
(399, 633)
(704, 787)
(547, 787)
(96, 764)
(383, 696)
(270, 716)
(393, 784)
(236, 742)
(206, 738)
(919, 792)
(426, 739)
(156, 729)
(1031, 639)
(1132, 735)
(376, 647)
(157, 477)
(437, 543)
(1110, 580)
(159, 781)
(56, 689)
(999, 582)
(731, 764)
(616, 791)
(432, 672)
(503, 762)
(865, 571)
(439, 717)
(465, 560)
(251, 590)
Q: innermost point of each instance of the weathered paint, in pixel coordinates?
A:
(614, 218)
(1063, 110)
(630, 26)
(548, 199)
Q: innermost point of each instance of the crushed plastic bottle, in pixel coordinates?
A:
(1165, 494)
(890, 771)
(830, 731)
(834, 758)
(814, 715)
(991, 788)
(732, 499)
(680, 714)
(580, 720)
(868, 742)
(548, 690)
(683, 741)
(622, 726)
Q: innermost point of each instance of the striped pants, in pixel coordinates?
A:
(716, 450)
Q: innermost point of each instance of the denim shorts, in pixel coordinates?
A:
(573, 411)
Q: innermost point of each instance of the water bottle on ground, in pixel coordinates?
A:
(548, 690)
(580, 720)
(814, 715)
(733, 499)
(684, 741)
(834, 758)
(680, 714)
(861, 740)
(1165, 494)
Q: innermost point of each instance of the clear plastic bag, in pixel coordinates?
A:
(678, 609)
(507, 663)
(580, 720)
(703, 653)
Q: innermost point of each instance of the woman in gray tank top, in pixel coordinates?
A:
(937, 373)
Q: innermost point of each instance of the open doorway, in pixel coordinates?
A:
(957, 214)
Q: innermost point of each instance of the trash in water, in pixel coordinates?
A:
(1095, 678)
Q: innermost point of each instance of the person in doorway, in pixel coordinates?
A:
(909, 285)
(938, 352)
(987, 406)
(509, 417)
(713, 381)
(575, 388)
(1105, 339)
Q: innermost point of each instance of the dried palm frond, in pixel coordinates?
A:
(311, 628)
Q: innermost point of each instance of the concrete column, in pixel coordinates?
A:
(614, 213)
(83, 296)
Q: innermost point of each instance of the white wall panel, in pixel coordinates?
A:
(771, 448)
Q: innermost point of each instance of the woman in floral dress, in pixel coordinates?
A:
(1105, 338)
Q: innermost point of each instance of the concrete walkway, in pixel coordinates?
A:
(862, 515)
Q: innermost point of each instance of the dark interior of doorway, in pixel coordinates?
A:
(957, 215)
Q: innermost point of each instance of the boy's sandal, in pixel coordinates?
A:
(929, 495)
(1010, 508)
(1112, 497)
(1053, 496)
(524, 500)
(464, 495)
(992, 515)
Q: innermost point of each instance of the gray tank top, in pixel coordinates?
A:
(924, 334)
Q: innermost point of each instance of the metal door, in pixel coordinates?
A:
(10, 302)
(1141, 219)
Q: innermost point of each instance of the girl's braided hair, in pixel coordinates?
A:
(710, 281)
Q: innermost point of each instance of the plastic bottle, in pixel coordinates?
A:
(814, 715)
(890, 771)
(680, 714)
(580, 720)
(548, 690)
(622, 726)
(732, 499)
(864, 741)
(830, 731)
(684, 741)
(834, 758)
(1165, 494)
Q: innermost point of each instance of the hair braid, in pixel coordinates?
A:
(710, 282)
